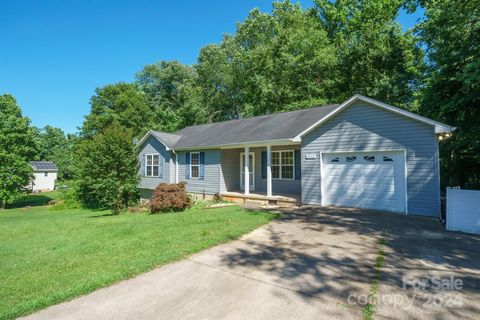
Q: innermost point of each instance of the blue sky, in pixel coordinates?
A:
(55, 53)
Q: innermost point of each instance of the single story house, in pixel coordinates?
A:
(362, 153)
(44, 176)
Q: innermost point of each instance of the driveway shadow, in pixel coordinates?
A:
(329, 253)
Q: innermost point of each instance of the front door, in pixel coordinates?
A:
(251, 171)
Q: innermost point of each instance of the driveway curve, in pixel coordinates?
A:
(312, 263)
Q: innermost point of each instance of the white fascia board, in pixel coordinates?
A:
(439, 127)
(148, 134)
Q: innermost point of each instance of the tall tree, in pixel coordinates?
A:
(107, 169)
(169, 88)
(376, 58)
(274, 62)
(288, 62)
(121, 103)
(53, 145)
(451, 32)
(49, 139)
(64, 157)
(17, 147)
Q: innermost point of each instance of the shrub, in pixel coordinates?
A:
(66, 200)
(169, 197)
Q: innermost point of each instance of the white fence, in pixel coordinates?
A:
(463, 210)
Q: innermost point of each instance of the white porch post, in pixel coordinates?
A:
(246, 163)
(176, 168)
(269, 171)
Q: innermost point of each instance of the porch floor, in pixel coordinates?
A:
(262, 196)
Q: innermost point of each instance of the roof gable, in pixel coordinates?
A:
(167, 139)
(439, 127)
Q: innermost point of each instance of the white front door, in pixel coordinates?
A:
(373, 180)
(251, 167)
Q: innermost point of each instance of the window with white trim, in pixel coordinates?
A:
(152, 165)
(194, 164)
(283, 165)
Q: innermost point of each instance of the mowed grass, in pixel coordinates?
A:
(51, 256)
(35, 199)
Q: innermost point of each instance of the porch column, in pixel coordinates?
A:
(269, 171)
(246, 163)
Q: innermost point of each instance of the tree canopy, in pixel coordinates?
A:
(120, 103)
(106, 169)
(53, 145)
(293, 58)
(17, 147)
(451, 32)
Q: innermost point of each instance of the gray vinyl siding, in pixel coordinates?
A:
(153, 146)
(211, 182)
(230, 160)
(230, 167)
(362, 127)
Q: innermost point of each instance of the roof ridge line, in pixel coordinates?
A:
(259, 116)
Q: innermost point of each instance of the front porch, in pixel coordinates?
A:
(267, 175)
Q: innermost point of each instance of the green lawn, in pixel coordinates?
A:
(51, 256)
(35, 199)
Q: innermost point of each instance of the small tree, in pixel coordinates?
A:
(107, 169)
(17, 146)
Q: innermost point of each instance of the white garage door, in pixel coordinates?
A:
(373, 180)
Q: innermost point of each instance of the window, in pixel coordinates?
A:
(387, 159)
(46, 174)
(335, 160)
(369, 158)
(283, 165)
(152, 165)
(351, 158)
(194, 164)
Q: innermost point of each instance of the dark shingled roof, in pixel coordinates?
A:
(277, 126)
(43, 165)
(169, 139)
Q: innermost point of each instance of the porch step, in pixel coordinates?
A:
(259, 199)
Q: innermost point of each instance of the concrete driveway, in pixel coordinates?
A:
(313, 263)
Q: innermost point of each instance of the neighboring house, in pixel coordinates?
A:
(45, 174)
(362, 153)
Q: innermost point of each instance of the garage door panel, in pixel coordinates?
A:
(343, 171)
(379, 196)
(386, 187)
(346, 202)
(383, 171)
(337, 195)
(342, 180)
(373, 180)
